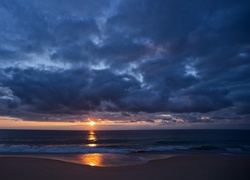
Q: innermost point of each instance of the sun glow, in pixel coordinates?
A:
(92, 123)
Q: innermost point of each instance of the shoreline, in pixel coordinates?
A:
(100, 158)
(203, 167)
(134, 158)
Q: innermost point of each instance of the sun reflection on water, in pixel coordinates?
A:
(92, 145)
(91, 137)
(95, 159)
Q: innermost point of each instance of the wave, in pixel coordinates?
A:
(57, 149)
(197, 148)
(83, 149)
(166, 148)
(79, 149)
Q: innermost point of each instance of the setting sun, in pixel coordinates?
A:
(92, 123)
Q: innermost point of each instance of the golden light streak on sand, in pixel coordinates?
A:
(92, 159)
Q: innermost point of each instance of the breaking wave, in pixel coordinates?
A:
(77, 149)
(57, 149)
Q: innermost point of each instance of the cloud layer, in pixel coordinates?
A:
(188, 59)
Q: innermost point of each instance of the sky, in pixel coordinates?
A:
(127, 64)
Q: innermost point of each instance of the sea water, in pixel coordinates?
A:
(108, 148)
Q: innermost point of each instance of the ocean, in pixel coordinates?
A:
(108, 148)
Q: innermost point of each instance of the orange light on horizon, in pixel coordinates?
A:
(15, 123)
(89, 123)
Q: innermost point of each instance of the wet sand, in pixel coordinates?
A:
(175, 168)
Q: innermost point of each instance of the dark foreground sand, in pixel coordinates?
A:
(176, 168)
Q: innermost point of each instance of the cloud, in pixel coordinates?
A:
(67, 90)
(125, 57)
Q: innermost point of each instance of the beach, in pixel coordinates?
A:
(124, 90)
(200, 167)
(125, 155)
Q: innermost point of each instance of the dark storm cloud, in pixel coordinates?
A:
(67, 91)
(125, 56)
(28, 29)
